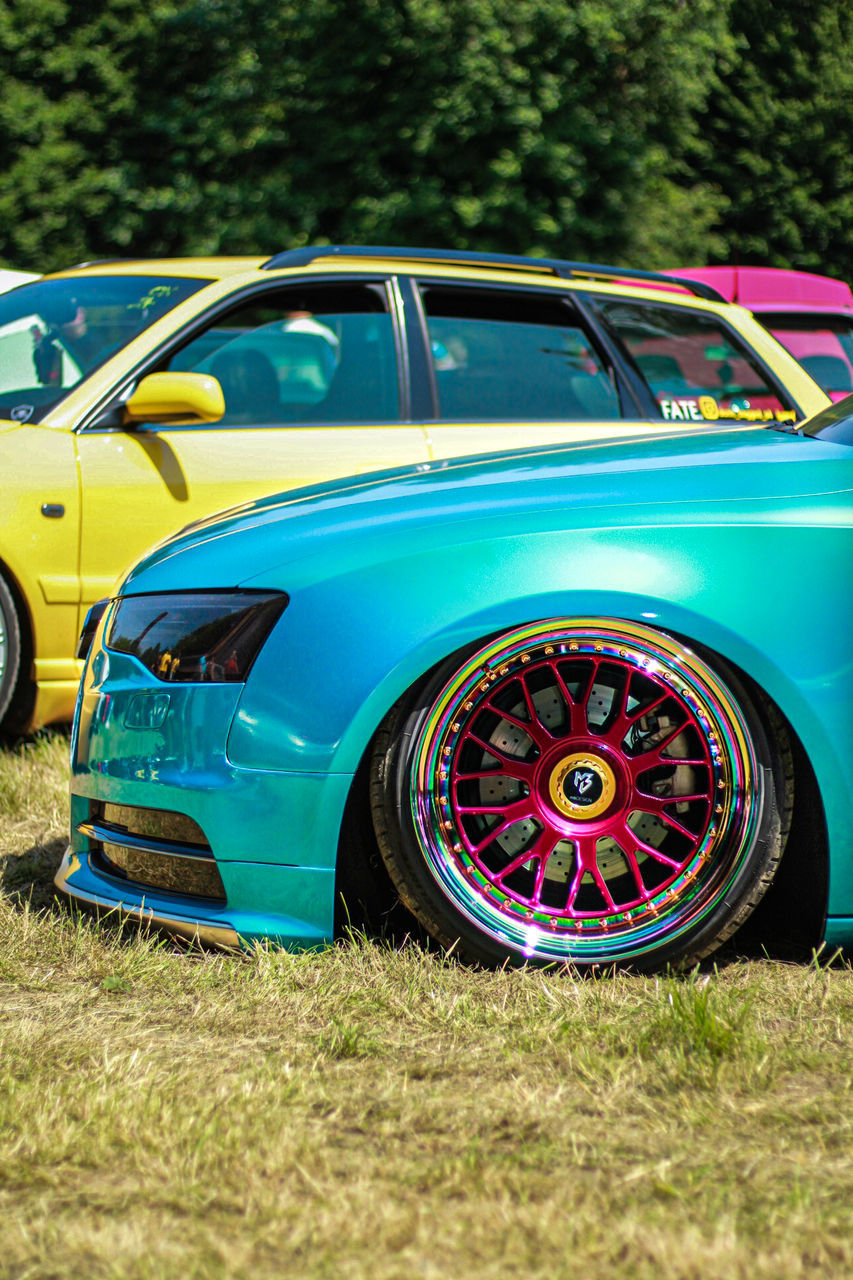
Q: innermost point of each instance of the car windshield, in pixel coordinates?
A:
(822, 344)
(53, 333)
(834, 423)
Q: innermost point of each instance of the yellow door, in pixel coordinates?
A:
(140, 487)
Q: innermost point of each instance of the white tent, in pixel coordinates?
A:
(8, 279)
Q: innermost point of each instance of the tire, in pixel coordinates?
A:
(584, 791)
(10, 648)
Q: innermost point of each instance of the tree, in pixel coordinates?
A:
(778, 136)
(231, 125)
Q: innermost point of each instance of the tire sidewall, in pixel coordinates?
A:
(12, 658)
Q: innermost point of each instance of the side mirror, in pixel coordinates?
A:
(175, 400)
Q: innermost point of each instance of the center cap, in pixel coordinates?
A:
(582, 786)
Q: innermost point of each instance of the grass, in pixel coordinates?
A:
(369, 1111)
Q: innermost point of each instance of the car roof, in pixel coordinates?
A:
(773, 288)
(453, 262)
(194, 268)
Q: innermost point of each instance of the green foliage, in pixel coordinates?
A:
(655, 132)
(778, 136)
(206, 125)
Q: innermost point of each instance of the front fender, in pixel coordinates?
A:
(348, 646)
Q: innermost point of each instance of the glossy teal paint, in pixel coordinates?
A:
(274, 835)
(739, 540)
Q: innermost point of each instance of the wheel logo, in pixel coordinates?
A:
(582, 786)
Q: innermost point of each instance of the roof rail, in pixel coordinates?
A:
(500, 261)
(100, 262)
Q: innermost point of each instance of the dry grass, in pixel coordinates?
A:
(381, 1113)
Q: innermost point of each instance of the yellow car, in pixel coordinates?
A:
(138, 396)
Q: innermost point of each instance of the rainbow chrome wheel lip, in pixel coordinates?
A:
(659, 916)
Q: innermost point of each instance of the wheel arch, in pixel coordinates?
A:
(23, 696)
(791, 917)
(416, 657)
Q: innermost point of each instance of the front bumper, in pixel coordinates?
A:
(89, 889)
(273, 833)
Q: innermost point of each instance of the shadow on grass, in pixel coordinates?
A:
(28, 877)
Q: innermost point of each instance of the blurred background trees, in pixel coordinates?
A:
(652, 132)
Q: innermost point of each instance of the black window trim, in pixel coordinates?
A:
(105, 408)
(606, 351)
(424, 389)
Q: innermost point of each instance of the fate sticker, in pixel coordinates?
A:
(682, 410)
(707, 409)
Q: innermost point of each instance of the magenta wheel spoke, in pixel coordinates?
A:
(576, 710)
(677, 826)
(603, 889)
(654, 853)
(512, 762)
(528, 700)
(631, 858)
(585, 848)
(518, 773)
(533, 726)
(540, 851)
(540, 880)
(670, 737)
(515, 811)
(587, 693)
(524, 725)
(541, 733)
(653, 759)
(477, 849)
(574, 890)
(658, 804)
(519, 861)
(624, 721)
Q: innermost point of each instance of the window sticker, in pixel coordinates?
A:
(707, 409)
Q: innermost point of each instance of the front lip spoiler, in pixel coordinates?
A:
(207, 934)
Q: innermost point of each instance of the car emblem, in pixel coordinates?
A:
(22, 412)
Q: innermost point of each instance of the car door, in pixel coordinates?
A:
(518, 366)
(513, 366)
(313, 380)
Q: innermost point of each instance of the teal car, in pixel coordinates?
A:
(586, 704)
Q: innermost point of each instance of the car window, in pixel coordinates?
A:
(822, 344)
(319, 353)
(696, 368)
(55, 332)
(514, 356)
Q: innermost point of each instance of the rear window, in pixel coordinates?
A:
(822, 344)
(53, 333)
(696, 368)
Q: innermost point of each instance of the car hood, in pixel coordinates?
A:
(671, 475)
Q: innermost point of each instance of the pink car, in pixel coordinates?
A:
(810, 315)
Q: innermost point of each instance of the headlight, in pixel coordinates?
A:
(195, 636)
